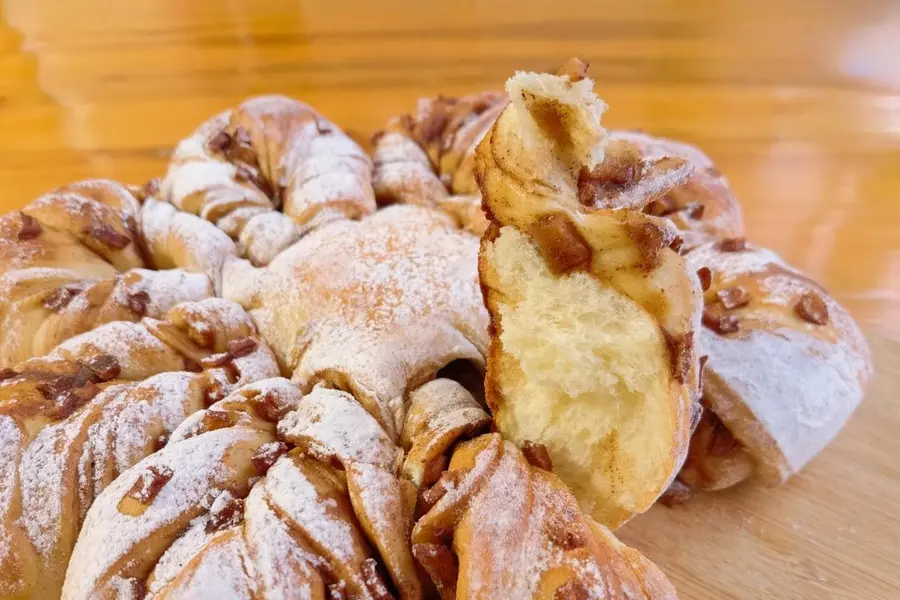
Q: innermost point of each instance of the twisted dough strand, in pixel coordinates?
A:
(84, 255)
(240, 167)
(73, 420)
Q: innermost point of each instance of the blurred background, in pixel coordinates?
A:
(797, 101)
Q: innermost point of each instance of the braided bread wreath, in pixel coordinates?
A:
(151, 450)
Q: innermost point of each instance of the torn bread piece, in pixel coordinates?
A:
(593, 314)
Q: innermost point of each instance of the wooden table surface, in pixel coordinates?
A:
(798, 101)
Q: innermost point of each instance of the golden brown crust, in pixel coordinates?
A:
(497, 495)
(82, 256)
(428, 158)
(78, 417)
(323, 507)
(267, 172)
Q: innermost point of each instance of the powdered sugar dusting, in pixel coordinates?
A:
(179, 554)
(217, 571)
(199, 465)
(138, 353)
(534, 517)
(283, 567)
(332, 423)
(377, 301)
(11, 439)
(801, 381)
(44, 471)
(317, 515)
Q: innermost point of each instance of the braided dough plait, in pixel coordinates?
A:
(323, 513)
(73, 420)
(226, 510)
(374, 307)
(86, 254)
(427, 159)
(271, 152)
(787, 366)
(593, 315)
(517, 532)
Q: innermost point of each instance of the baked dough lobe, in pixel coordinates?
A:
(593, 315)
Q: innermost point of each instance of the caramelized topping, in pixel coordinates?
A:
(150, 484)
(55, 387)
(650, 239)
(7, 373)
(236, 146)
(732, 244)
(136, 589)
(440, 564)
(715, 318)
(232, 372)
(240, 149)
(105, 367)
(695, 210)
(663, 207)
(622, 167)
(225, 361)
(575, 69)
(705, 276)
(160, 442)
(571, 590)
(218, 419)
(241, 347)
(681, 355)
(216, 360)
(733, 297)
(30, 228)
(214, 390)
(108, 236)
(219, 142)
(560, 244)
(266, 456)
(226, 511)
(266, 406)
(202, 334)
(138, 302)
(537, 455)
(812, 309)
(61, 298)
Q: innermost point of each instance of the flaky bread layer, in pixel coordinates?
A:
(584, 370)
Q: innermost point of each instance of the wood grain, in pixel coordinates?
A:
(798, 101)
